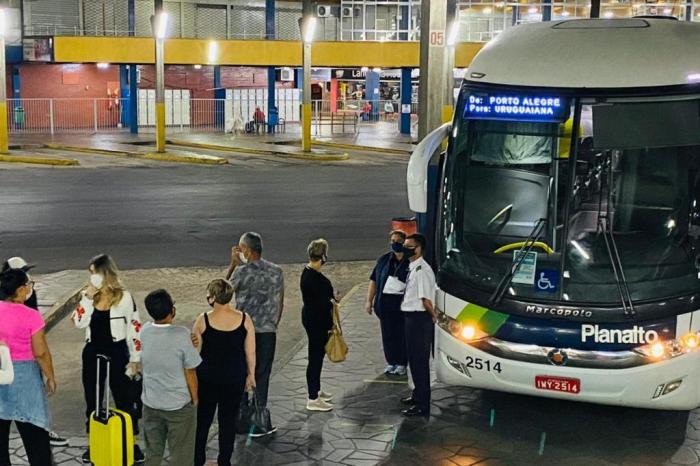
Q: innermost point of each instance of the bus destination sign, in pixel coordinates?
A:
(527, 107)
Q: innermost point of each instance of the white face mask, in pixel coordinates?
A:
(96, 280)
(242, 258)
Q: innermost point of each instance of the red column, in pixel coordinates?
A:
(334, 95)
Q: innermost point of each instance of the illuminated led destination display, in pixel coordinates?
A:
(516, 107)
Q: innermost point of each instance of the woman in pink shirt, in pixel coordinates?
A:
(24, 401)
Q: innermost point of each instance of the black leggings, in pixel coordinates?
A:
(35, 440)
(227, 398)
(120, 384)
(318, 337)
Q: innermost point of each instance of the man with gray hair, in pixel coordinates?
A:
(259, 288)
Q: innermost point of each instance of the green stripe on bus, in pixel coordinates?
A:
(472, 313)
(492, 321)
(488, 321)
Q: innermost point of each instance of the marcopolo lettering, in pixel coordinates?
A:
(635, 335)
(558, 311)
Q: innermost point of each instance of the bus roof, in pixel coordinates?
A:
(592, 53)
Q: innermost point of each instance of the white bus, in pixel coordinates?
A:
(565, 215)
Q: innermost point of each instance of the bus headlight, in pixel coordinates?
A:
(464, 331)
(668, 349)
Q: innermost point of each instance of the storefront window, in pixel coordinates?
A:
(380, 20)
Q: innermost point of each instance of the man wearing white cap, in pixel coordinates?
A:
(20, 264)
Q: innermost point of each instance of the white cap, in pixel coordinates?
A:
(17, 263)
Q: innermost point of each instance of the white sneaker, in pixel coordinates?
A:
(327, 397)
(400, 371)
(318, 405)
(389, 369)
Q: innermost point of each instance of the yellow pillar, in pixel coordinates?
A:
(4, 144)
(447, 113)
(160, 127)
(306, 127)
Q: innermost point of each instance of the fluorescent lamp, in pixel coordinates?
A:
(197, 67)
(452, 34)
(309, 29)
(377, 70)
(103, 66)
(3, 22)
(213, 53)
(161, 25)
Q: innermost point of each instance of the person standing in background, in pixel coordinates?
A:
(170, 394)
(420, 315)
(19, 263)
(387, 285)
(259, 288)
(317, 318)
(24, 400)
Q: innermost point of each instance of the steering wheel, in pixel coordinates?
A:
(520, 244)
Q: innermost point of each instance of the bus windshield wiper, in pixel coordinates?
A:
(605, 227)
(522, 253)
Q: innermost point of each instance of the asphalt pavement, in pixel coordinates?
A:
(169, 216)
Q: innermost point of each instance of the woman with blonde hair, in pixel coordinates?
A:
(317, 318)
(112, 326)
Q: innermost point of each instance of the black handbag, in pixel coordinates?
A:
(252, 418)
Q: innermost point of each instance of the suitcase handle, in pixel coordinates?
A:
(102, 406)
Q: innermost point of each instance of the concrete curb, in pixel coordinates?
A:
(250, 150)
(62, 308)
(38, 160)
(166, 157)
(320, 157)
(88, 150)
(358, 147)
(196, 159)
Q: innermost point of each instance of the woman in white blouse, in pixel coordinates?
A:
(112, 325)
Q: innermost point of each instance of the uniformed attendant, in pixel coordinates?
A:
(387, 285)
(420, 316)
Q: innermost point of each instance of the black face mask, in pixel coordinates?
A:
(409, 252)
(397, 247)
(324, 259)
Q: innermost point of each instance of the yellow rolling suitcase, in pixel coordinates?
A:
(111, 432)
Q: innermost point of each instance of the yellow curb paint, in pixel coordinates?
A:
(306, 127)
(38, 160)
(165, 157)
(358, 147)
(4, 137)
(160, 127)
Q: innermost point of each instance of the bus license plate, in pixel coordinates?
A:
(558, 384)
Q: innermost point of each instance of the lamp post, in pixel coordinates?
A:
(4, 145)
(449, 64)
(160, 26)
(308, 27)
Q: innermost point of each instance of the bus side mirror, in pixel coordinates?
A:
(417, 174)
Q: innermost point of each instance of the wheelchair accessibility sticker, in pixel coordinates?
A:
(547, 280)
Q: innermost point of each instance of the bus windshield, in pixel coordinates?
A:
(617, 219)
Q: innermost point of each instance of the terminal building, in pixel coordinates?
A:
(87, 65)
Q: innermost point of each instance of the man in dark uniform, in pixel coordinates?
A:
(387, 285)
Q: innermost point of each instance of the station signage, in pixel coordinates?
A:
(516, 107)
